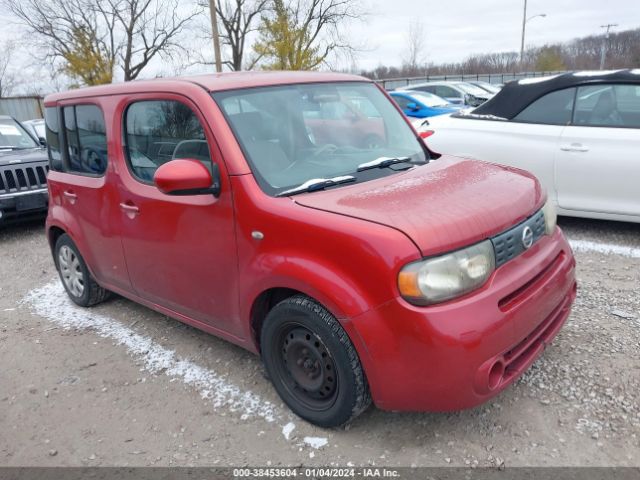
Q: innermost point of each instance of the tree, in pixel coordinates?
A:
(146, 28)
(88, 38)
(238, 19)
(7, 79)
(85, 61)
(302, 34)
(549, 59)
(415, 41)
(71, 31)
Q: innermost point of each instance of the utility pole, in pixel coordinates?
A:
(605, 43)
(214, 34)
(524, 27)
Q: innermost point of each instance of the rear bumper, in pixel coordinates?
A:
(461, 353)
(23, 205)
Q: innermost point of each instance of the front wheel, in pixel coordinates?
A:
(312, 363)
(76, 278)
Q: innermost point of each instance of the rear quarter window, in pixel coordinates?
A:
(86, 137)
(53, 137)
(554, 108)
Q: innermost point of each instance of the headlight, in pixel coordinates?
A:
(550, 216)
(448, 276)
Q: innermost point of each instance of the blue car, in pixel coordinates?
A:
(423, 104)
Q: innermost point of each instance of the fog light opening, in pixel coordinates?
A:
(495, 374)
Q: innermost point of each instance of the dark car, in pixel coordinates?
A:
(23, 172)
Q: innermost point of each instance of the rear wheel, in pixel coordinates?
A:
(76, 279)
(312, 363)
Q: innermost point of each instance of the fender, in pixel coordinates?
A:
(328, 284)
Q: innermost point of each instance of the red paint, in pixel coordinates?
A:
(194, 257)
(182, 175)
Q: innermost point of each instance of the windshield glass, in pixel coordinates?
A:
(429, 99)
(13, 136)
(294, 133)
(472, 89)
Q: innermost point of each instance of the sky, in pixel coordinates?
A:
(453, 29)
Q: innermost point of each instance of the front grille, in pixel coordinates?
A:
(509, 244)
(20, 178)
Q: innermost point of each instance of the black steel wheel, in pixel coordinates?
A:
(312, 363)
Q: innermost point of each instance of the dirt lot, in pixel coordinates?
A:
(122, 385)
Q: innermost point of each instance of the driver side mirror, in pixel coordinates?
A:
(413, 106)
(187, 177)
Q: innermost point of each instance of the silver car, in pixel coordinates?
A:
(459, 93)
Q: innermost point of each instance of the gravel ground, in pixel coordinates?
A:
(122, 385)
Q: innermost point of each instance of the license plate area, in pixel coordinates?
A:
(30, 202)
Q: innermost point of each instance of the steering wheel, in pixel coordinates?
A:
(328, 147)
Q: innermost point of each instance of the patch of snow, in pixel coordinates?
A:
(287, 429)
(635, 71)
(315, 442)
(480, 116)
(51, 302)
(606, 248)
(594, 73)
(9, 309)
(532, 80)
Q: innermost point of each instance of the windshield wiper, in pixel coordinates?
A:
(317, 184)
(382, 162)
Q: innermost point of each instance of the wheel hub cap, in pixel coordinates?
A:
(71, 271)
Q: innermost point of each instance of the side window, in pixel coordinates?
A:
(554, 108)
(53, 138)
(86, 139)
(428, 88)
(159, 131)
(447, 92)
(402, 101)
(608, 106)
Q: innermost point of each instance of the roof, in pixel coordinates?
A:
(210, 82)
(516, 96)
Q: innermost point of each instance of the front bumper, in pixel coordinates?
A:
(21, 205)
(461, 353)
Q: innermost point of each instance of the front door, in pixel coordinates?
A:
(598, 162)
(180, 250)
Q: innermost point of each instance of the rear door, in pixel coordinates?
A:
(180, 250)
(598, 164)
(83, 195)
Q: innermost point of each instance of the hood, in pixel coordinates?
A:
(445, 205)
(23, 156)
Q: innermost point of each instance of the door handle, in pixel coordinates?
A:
(130, 209)
(71, 196)
(574, 147)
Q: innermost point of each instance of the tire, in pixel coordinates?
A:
(312, 363)
(75, 276)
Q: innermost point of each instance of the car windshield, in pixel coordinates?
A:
(429, 99)
(472, 89)
(296, 133)
(14, 136)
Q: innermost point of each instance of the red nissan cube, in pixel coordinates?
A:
(300, 216)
